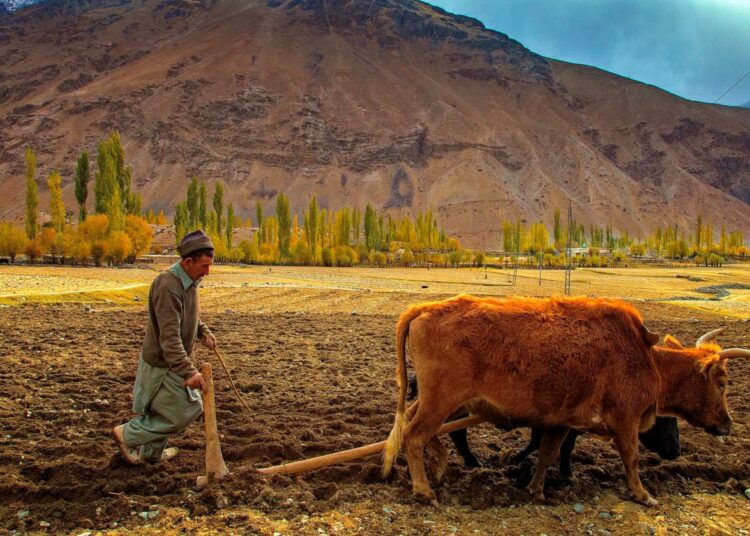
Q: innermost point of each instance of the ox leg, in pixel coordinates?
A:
(460, 440)
(626, 439)
(549, 447)
(532, 446)
(438, 459)
(417, 433)
(565, 451)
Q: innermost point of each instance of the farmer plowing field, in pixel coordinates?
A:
(167, 387)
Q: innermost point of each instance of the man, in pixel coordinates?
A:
(166, 397)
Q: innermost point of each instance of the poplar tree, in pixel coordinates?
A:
(698, 232)
(356, 224)
(115, 212)
(285, 223)
(82, 184)
(192, 203)
(218, 205)
(259, 218)
(230, 225)
(180, 221)
(202, 215)
(558, 230)
(106, 178)
(371, 222)
(32, 194)
(311, 227)
(56, 206)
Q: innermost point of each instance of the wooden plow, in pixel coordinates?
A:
(216, 469)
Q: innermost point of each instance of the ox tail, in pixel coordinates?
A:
(396, 437)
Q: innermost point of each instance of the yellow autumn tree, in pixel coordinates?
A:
(56, 206)
(140, 234)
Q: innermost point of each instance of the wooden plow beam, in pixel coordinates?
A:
(350, 455)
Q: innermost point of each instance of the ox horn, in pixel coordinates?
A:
(729, 353)
(708, 337)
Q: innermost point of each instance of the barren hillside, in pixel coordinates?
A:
(393, 102)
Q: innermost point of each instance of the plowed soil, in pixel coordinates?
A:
(320, 378)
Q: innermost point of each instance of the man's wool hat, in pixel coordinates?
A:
(194, 241)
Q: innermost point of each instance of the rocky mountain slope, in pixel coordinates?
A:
(392, 102)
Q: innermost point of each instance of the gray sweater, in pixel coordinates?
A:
(174, 323)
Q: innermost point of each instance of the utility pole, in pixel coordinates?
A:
(569, 265)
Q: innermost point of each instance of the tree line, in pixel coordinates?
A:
(114, 233)
(319, 236)
(670, 242)
(120, 230)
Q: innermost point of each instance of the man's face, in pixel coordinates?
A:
(197, 269)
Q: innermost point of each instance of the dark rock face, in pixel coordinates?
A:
(74, 83)
(402, 191)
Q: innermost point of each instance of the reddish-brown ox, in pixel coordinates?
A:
(556, 363)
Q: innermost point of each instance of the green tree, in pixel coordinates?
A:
(115, 212)
(82, 184)
(105, 184)
(56, 206)
(218, 205)
(193, 203)
(230, 225)
(698, 232)
(356, 224)
(259, 219)
(133, 203)
(311, 218)
(181, 221)
(202, 215)
(285, 224)
(557, 233)
(371, 227)
(32, 194)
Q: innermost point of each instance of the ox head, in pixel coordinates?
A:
(703, 396)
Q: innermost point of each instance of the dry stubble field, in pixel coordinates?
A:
(312, 351)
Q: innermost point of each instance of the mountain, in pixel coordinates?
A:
(392, 102)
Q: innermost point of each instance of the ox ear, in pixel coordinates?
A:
(671, 342)
(649, 337)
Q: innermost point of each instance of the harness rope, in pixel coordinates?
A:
(221, 360)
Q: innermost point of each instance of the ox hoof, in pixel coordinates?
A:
(427, 496)
(648, 500)
(537, 496)
(438, 474)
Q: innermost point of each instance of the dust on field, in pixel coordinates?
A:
(314, 357)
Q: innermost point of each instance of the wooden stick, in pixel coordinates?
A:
(356, 453)
(216, 469)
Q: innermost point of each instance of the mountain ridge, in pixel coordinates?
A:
(396, 103)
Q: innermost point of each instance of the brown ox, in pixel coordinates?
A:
(556, 363)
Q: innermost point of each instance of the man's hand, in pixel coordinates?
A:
(208, 340)
(196, 381)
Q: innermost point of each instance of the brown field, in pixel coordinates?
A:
(312, 351)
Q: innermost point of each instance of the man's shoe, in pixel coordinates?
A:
(166, 455)
(129, 455)
(169, 453)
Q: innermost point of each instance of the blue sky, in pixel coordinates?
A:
(693, 48)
